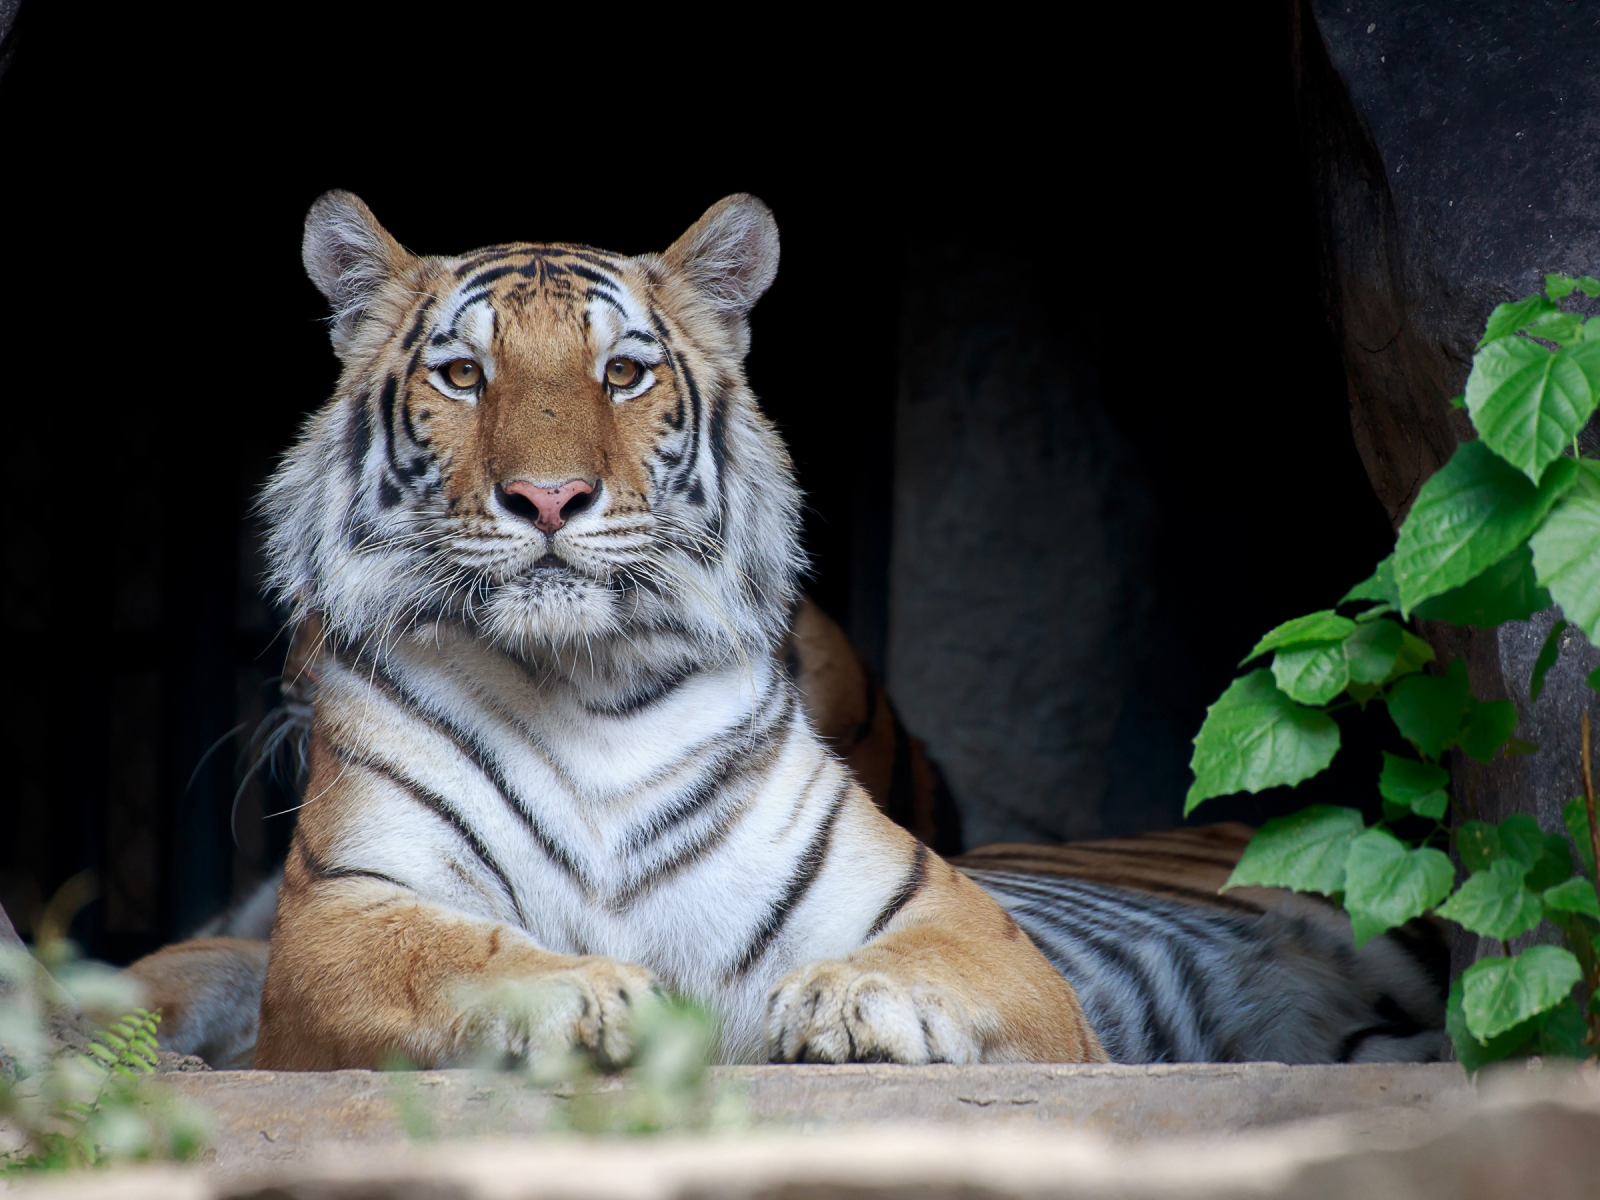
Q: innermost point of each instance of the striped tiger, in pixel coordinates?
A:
(552, 543)
(578, 757)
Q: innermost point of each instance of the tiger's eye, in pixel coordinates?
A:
(463, 373)
(623, 372)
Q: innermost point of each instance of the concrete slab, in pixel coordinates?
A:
(266, 1117)
(1538, 1138)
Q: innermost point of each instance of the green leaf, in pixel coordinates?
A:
(1489, 725)
(1478, 843)
(1522, 839)
(1304, 851)
(1255, 737)
(1563, 327)
(102, 1052)
(1494, 903)
(1547, 659)
(1312, 674)
(1575, 896)
(1379, 586)
(1563, 1032)
(1386, 883)
(1566, 550)
(1373, 651)
(1508, 591)
(1501, 993)
(1474, 1055)
(1518, 837)
(1593, 678)
(1527, 401)
(1558, 287)
(1554, 866)
(1364, 693)
(1427, 709)
(1432, 806)
(1575, 815)
(1324, 626)
(1414, 786)
(1507, 319)
(1414, 655)
(1470, 514)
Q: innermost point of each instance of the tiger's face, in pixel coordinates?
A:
(548, 444)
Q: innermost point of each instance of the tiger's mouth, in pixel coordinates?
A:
(551, 561)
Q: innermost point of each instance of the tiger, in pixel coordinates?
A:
(553, 545)
(459, 678)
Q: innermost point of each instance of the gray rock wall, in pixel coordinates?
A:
(1015, 587)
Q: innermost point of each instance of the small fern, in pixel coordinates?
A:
(87, 1109)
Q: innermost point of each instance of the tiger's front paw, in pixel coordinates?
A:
(837, 1012)
(589, 1004)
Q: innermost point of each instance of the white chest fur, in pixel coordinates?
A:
(693, 824)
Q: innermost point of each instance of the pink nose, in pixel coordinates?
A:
(547, 507)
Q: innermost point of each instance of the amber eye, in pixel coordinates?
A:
(463, 373)
(623, 372)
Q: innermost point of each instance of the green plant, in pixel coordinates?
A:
(1508, 525)
(664, 1086)
(60, 1109)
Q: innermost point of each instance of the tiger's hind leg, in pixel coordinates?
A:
(209, 994)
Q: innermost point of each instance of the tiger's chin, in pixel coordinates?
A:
(548, 606)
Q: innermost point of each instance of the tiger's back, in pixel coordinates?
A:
(1172, 969)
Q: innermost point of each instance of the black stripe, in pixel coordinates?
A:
(1397, 1023)
(594, 277)
(489, 254)
(358, 435)
(417, 322)
(315, 867)
(694, 427)
(391, 387)
(484, 278)
(467, 745)
(597, 294)
(653, 692)
(1101, 937)
(675, 418)
(810, 865)
(441, 808)
(744, 758)
(915, 878)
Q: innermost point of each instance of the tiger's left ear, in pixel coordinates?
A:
(730, 255)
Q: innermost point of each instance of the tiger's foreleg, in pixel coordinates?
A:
(363, 972)
(951, 978)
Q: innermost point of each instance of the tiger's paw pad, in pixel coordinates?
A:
(590, 1004)
(835, 1012)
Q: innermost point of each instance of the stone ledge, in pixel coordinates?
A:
(1531, 1137)
(265, 1117)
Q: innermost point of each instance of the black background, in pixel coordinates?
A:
(162, 343)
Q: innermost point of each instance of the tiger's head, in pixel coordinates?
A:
(549, 445)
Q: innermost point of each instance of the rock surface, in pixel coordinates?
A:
(1531, 1136)
(1016, 586)
(271, 1116)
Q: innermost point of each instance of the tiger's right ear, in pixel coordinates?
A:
(349, 256)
